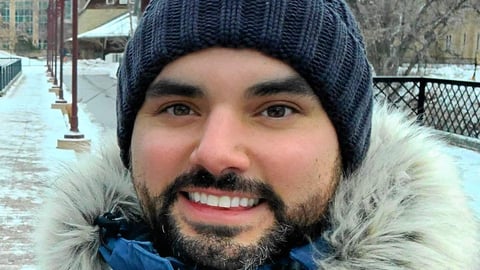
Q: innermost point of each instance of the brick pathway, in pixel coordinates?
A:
(29, 129)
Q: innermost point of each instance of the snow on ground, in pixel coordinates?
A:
(29, 132)
(96, 67)
(443, 71)
(469, 163)
(28, 138)
(462, 72)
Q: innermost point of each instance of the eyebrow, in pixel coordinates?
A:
(291, 85)
(172, 88)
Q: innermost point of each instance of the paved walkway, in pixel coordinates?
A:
(29, 130)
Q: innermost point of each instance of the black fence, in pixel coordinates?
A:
(449, 105)
(9, 69)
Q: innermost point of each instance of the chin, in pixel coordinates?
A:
(220, 247)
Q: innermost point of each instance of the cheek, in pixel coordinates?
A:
(306, 183)
(157, 159)
(303, 168)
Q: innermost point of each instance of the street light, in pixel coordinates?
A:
(61, 9)
(56, 12)
(74, 117)
(50, 32)
(55, 33)
(74, 139)
(144, 4)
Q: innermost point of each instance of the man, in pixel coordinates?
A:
(251, 142)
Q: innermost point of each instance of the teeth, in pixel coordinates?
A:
(221, 201)
(224, 201)
(244, 202)
(203, 198)
(212, 200)
(235, 202)
(196, 196)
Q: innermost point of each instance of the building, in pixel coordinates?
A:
(23, 24)
(99, 14)
(461, 42)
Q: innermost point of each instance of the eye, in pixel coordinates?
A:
(178, 110)
(278, 111)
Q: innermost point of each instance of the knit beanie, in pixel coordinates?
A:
(320, 39)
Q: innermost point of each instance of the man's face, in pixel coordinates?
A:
(233, 158)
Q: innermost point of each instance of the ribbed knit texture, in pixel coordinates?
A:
(319, 38)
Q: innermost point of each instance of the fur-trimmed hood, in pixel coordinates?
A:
(404, 208)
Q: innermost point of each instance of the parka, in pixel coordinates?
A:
(403, 208)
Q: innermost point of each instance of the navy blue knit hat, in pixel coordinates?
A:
(318, 38)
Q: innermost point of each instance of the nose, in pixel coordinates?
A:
(221, 147)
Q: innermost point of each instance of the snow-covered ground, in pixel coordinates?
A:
(28, 137)
(29, 131)
(452, 72)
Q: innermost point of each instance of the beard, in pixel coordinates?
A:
(213, 247)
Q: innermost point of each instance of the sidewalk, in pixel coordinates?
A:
(29, 131)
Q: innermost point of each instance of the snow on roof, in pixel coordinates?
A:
(121, 26)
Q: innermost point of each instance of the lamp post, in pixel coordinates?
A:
(144, 4)
(74, 116)
(49, 37)
(55, 50)
(74, 139)
(61, 8)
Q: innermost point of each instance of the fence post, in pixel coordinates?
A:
(421, 101)
(1, 78)
(4, 77)
(9, 72)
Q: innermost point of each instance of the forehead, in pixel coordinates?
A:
(242, 71)
(234, 65)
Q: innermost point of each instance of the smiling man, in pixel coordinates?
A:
(226, 192)
(249, 140)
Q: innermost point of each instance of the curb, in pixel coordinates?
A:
(460, 140)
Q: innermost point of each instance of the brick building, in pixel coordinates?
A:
(23, 23)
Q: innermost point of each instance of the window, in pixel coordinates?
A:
(478, 41)
(448, 42)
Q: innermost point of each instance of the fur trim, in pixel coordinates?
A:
(66, 237)
(404, 208)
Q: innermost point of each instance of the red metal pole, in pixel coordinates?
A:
(144, 5)
(49, 36)
(60, 90)
(48, 33)
(74, 117)
(55, 33)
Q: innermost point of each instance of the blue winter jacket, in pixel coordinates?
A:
(124, 254)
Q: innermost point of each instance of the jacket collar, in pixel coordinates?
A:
(124, 247)
(402, 208)
(124, 254)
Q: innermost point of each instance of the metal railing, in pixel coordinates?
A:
(9, 69)
(448, 105)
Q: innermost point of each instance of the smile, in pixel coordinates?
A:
(222, 201)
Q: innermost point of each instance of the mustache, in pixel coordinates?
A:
(201, 178)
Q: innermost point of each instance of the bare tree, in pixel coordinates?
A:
(403, 31)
